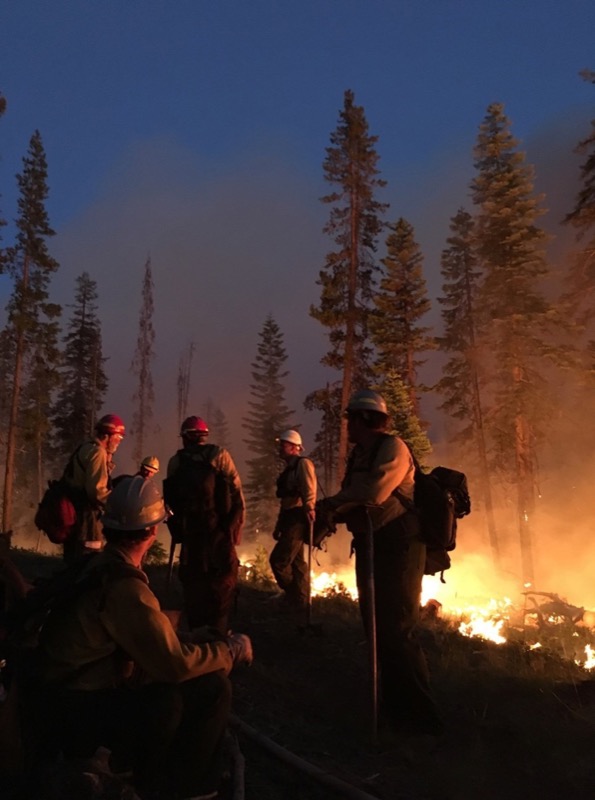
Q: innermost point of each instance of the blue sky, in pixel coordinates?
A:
(194, 132)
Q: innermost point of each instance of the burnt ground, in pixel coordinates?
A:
(519, 724)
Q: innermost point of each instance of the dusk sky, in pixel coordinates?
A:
(194, 133)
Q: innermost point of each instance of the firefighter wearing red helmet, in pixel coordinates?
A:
(204, 491)
(87, 475)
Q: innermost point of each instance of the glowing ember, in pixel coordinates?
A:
(589, 662)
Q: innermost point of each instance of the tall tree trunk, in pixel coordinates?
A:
(11, 441)
(525, 497)
(348, 358)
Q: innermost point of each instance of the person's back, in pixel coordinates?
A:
(204, 491)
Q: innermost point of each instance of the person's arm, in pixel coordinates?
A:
(133, 617)
(96, 475)
(306, 484)
(374, 485)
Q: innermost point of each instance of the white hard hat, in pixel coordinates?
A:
(291, 436)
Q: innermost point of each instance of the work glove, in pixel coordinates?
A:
(240, 648)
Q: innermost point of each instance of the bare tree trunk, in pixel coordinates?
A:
(525, 497)
(11, 439)
(348, 355)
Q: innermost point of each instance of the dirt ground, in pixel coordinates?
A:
(519, 724)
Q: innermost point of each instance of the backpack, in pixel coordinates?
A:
(197, 494)
(440, 498)
(56, 514)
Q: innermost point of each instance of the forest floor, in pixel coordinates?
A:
(519, 723)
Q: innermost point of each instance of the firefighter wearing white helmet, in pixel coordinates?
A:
(204, 490)
(296, 490)
(112, 629)
(87, 475)
(380, 465)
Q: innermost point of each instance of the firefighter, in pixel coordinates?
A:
(296, 488)
(115, 673)
(378, 464)
(88, 477)
(204, 492)
(149, 467)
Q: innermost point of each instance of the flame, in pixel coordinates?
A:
(464, 601)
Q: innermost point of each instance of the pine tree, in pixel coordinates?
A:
(84, 382)
(30, 266)
(354, 224)
(327, 401)
(183, 384)
(141, 367)
(400, 302)
(218, 425)
(519, 319)
(582, 218)
(269, 415)
(462, 380)
(403, 417)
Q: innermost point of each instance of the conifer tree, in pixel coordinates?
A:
(218, 425)
(84, 382)
(462, 379)
(327, 401)
(517, 334)
(30, 266)
(354, 225)
(141, 366)
(269, 415)
(400, 303)
(183, 384)
(403, 417)
(582, 218)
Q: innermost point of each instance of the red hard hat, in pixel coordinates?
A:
(111, 423)
(194, 425)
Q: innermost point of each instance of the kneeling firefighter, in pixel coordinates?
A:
(114, 672)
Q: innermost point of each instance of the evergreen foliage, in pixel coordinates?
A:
(30, 314)
(354, 225)
(400, 302)
(218, 425)
(582, 218)
(141, 366)
(460, 380)
(518, 317)
(83, 382)
(462, 384)
(404, 421)
(269, 415)
(327, 401)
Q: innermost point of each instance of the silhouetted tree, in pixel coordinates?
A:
(582, 218)
(84, 383)
(29, 310)
(517, 333)
(462, 374)
(354, 224)
(268, 416)
(141, 366)
(327, 401)
(183, 384)
(400, 303)
(218, 425)
(404, 421)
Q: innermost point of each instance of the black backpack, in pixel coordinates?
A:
(441, 497)
(197, 494)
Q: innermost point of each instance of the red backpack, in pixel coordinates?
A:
(56, 514)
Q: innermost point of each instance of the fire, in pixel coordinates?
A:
(465, 601)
